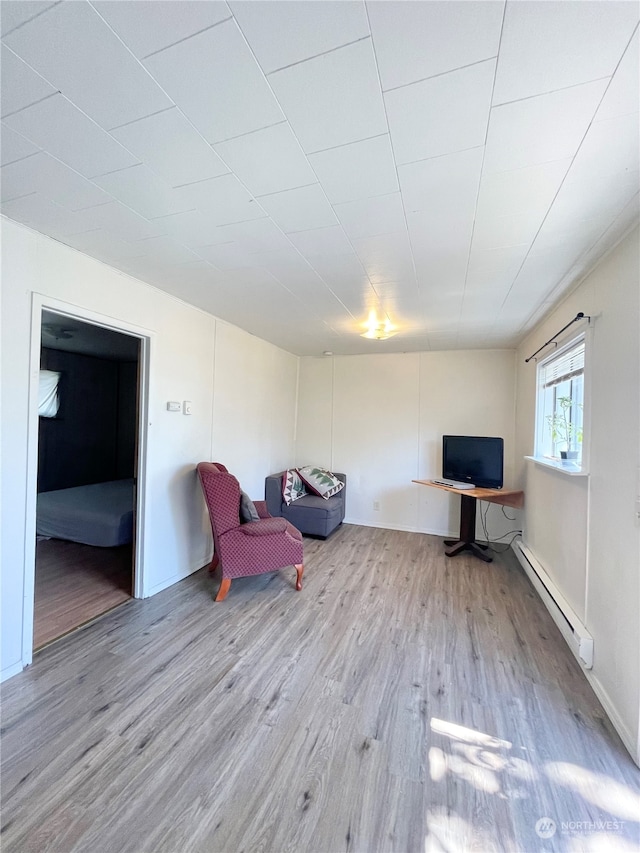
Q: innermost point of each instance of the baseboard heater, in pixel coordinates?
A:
(578, 638)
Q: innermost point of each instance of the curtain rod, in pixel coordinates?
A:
(552, 340)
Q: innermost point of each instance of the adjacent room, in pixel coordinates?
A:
(331, 252)
(87, 429)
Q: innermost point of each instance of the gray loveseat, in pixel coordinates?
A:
(312, 515)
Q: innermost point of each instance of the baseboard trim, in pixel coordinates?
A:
(626, 736)
(572, 628)
(405, 528)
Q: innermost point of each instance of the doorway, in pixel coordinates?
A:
(89, 408)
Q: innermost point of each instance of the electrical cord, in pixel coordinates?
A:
(492, 542)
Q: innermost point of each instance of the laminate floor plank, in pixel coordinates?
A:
(401, 702)
(76, 583)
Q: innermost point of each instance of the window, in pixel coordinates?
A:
(560, 404)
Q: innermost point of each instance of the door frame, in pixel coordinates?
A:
(39, 303)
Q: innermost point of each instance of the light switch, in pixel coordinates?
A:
(173, 406)
(186, 407)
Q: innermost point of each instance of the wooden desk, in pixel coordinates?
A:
(468, 498)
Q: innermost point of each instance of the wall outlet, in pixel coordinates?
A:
(376, 505)
(173, 406)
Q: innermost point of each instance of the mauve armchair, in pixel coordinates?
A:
(251, 548)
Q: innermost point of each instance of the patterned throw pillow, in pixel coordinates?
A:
(320, 481)
(292, 486)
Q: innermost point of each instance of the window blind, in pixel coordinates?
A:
(566, 365)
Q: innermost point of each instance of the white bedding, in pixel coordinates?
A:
(100, 514)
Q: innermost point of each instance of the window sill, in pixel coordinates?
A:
(571, 469)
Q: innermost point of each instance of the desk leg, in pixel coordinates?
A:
(467, 541)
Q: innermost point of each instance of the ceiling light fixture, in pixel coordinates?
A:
(57, 332)
(378, 330)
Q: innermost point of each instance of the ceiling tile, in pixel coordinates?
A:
(13, 146)
(446, 185)
(102, 245)
(387, 257)
(256, 235)
(17, 12)
(623, 95)
(492, 270)
(43, 174)
(357, 298)
(370, 217)
(540, 129)
(344, 270)
(322, 109)
(322, 241)
(193, 228)
(69, 135)
(283, 33)
(610, 146)
(217, 83)
(595, 195)
(118, 220)
(440, 250)
(43, 215)
(481, 308)
(570, 233)
(169, 145)
(299, 209)
(166, 250)
(268, 160)
(148, 27)
(138, 188)
(495, 232)
(414, 41)
(441, 115)
(552, 45)
(297, 276)
(21, 85)
(357, 170)
(518, 191)
(72, 47)
(223, 199)
(226, 256)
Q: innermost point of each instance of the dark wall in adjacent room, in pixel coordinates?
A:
(92, 439)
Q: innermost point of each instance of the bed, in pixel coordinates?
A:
(100, 514)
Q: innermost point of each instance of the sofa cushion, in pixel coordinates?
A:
(320, 481)
(292, 486)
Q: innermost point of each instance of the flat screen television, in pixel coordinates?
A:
(476, 459)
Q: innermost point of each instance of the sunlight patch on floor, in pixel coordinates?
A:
(478, 758)
(597, 788)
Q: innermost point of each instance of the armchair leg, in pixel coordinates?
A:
(299, 567)
(213, 565)
(225, 583)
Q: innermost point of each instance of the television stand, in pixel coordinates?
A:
(467, 537)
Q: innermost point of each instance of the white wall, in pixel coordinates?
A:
(585, 532)
(242, 389)
(381, 418)
(253, 407)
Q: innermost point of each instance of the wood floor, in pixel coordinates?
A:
(75, 584)
(400, 702)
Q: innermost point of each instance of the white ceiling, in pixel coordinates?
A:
(289, 166)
